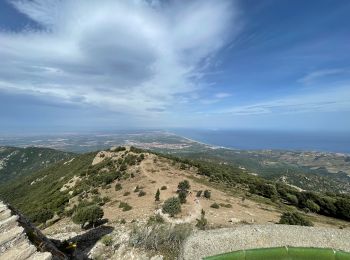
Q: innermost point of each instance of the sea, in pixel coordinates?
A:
(265, 139)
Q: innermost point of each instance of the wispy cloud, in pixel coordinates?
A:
(330, 100)
(128, 56)
(320, 74)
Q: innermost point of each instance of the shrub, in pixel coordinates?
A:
(89, 214)
(264, 189)
(228, 205)
(215, 206)
(165, 239)
(118, 186)
(156, 197)
(294, 218)
(123, 221)
(107, 240)
(182, 196)
(125, 206)
(127, 193)
(172, 206)
(312, 206)
(157, 219)
(207, 194)
(163, 188)
(292, 199)
(184, 185)
(199, 193)
(202, 222)
(42, 216)
(142, 193)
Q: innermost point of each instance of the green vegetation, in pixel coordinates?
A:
(125, 206)
(22, 162)
(164, 239)
(215, 205)
(294, 218)
(142, 193)
(156, 197)
(184, 185)
(199, 193)
(207, 194)
(202, 222)
(89, 214)
(157, 219)
(163, 188)
(172, 206)
(118, 186)
(182, 196)
(107, 240)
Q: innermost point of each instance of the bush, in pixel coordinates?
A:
(202, 222)
(215, 206)
(42, 216)
(184, 185)
(294, 218)
(163, 188)
(292, 199)
(107, 240)
(89, 214)
(125, 206)
(264, 189)
(199, 193)
(142, 193)
(123, 221)
(118, 186)
(182, 196)
(312, 206)
(127, 193)
(157, 219)
(228, 205)
(207, 194)
(172, 206)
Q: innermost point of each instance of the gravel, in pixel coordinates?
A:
(213, 242)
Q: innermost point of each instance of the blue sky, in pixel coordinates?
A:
(76, 65)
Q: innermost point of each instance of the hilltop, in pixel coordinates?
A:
(18, 162)
(123, 182)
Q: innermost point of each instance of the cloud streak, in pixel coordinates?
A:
(128, 56)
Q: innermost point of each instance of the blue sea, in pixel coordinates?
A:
(263, 139)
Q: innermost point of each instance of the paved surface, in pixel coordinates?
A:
(14, 242)
(213, 242)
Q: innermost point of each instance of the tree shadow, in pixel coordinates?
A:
(84, 242)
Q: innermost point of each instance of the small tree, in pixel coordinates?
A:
(157, 195)
(172, 206)
(202, 222)
(182, 196)
(199, 193)
(118, 186)
(184, 185)
(89, 214)
(207, 194)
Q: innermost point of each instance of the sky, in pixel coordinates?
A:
(85, 65)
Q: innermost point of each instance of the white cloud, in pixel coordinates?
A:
(128, 55)
(319, 74)
(329, 100)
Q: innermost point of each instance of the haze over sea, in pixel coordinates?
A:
(265, 139)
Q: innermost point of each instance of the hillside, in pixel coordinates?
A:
(16, 162)
(123, 182)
